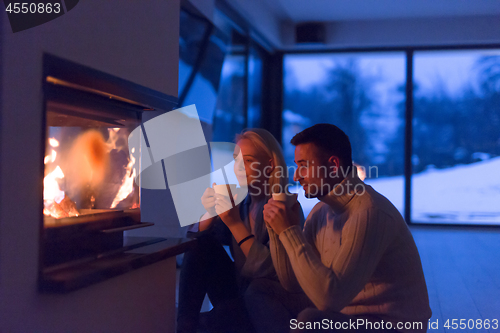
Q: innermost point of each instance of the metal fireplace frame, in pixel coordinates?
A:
(78, 254)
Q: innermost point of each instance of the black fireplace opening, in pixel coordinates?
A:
(91, 166)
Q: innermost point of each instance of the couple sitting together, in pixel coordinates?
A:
(351, 266)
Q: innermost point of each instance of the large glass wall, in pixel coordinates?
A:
(230, 116)
(361, 93)
(456, 125)
(255, 75)
(202, 49)
(456, 137)
(220, 71)
(192, 34)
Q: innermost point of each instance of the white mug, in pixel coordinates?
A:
(222, 189)
(288, 199)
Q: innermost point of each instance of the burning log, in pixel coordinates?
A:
(55, 211)
(65, 208)
(68, 206)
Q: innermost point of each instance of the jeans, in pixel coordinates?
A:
(271, 307)
(207, 269)
(275, 310)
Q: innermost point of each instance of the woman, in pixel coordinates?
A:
(207, 269)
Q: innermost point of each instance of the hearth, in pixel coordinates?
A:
(91, 191)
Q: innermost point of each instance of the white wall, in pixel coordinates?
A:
(256, 12)
(137, 41)
(262, 18)
(405, 32)
(366, 33)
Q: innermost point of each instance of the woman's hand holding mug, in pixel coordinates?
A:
(223, 207)
(208, 201)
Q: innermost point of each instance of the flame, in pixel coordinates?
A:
(53, 142)
(50, 158)
(114, 138)
(51, 192)
(127, 184)
(118, 141)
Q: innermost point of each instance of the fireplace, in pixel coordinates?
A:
(91, 177)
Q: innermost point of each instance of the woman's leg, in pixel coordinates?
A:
(229, 314)
(271, 307)
(206, 269)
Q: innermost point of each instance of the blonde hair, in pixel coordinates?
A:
(278, 179)
(266, 142)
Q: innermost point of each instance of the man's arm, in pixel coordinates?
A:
(365, 237)
(282, 264)
(281, 261)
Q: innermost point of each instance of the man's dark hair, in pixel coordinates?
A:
(330, 139)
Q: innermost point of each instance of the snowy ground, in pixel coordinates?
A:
(465, 194)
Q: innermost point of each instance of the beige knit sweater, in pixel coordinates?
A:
(356, 255)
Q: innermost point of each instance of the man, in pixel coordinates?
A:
(355, 260)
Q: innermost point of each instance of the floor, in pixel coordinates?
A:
(462, 270)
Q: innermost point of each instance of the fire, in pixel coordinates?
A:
(116, 140)
(52, 194)
(50, 158)
(127, 184)
(55, 201)
(53, 142)
(86, 165)
(51, 190)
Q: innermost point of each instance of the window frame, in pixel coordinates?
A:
(409, 115)
(254, 40)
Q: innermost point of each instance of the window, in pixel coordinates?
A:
(456, 137)
(255, 66)
(361, 93)
(202, 51)
(230, 117)
(192, 33)
(220, 71)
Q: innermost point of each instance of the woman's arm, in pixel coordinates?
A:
(206, 221)
(258, 261)
(231, 217)
(240, 232)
